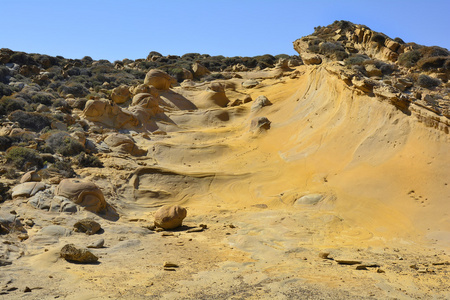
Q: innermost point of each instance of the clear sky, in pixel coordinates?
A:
(131, 29)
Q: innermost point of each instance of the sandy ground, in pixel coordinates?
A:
(338, 172)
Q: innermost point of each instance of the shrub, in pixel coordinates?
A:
(22, 59)
(30, 120)
(4, 74)
(426, 81)
(399, 40)
(74, 88)
(356, 59)
(24, 158)
(86, 160)
(63, 167)
(378, 38)
(5, 142)
(44, 98)
(9, 104)
(433, 62)
(409, 59)
(63, 143)
(5, 90)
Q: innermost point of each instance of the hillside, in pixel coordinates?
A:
(323, 175)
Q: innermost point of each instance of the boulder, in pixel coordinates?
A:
(9, 223)
(71, 253)
(260, 123)
(88, 226)
(260, 102)
(27, 189)
(120, 94)
(143, 88)
(170, 216)
(215, 93)
(199, 70)
(248, 84)
(30, 176)
(124, 144)
(159, 79)
(373, 71)
(109, 114)
(311, 59)
(83, 193)
(146, 100)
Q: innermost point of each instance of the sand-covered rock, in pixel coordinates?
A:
(260, 102)
(170, 216)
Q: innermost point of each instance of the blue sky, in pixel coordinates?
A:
(131, 29)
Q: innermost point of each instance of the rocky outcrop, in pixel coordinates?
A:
(109, 114)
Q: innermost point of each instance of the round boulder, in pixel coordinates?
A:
(170, 216)
(120, 94)
(159, 79)
(83, 193)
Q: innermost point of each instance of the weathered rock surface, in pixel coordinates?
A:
(121, 94)
(30, 176)
(124, 144)
(260, 123)
(71, 253)
(159, 79)
(260, 102)
(170, 217)
(85, 194)
(88, 226)
(27, 189)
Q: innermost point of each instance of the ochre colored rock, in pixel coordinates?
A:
(170, 216)
(159, 79)
(121, 94)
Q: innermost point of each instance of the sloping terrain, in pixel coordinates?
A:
(343, 195)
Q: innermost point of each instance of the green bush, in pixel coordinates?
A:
(434, 62)
(4, 74)
(74, 88)
(5, 90)
(356, 59)
(24, 158)
(86, 160)
(63, 167)
(64, 144)
(428, 82)
(378, 38)
(43, 98)
(30, 120)
(409, 59)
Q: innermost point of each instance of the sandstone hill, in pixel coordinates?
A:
(318, 176)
